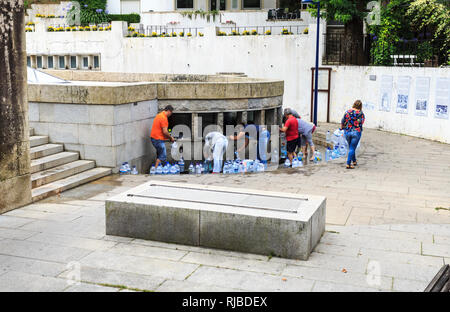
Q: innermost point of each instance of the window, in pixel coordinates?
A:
(49, 61)
(252, 4)
(62, 64)
(185, 4)
(73, 62)
(234, 4)
(85, 62)
(28, 61)
(96, 61)
(39, 61)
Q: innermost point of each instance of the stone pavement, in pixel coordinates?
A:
(388, 229)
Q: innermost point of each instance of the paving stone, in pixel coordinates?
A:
(234, 263)
(440, 250)
(391, 268)
(321, 286)
(148, 251)
(349, 278)
(372, 232)
(71, 241)
(32, 266)
(139, 265)
(187, 286)
(400, 257)
(118, 278)
(84, 287)
(15, 233)
(43, 215)
(250, 281)
(337, 250)
(410, 285)
(329, 262)
(23, 282)
(41, 251)
(13, 222)
(442, 240)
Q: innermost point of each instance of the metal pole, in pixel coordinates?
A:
(316, 78)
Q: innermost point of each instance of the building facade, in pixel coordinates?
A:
(141, 6)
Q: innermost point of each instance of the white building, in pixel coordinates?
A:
(141, 6)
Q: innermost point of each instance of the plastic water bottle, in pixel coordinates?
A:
(152, 170)
(300, 162)
(275, 158)
(328, 136)
(123, 169)
(287, 163)
(198, 169)
(173, 170)
(342, 149)
(134, 171)
(181, 164)
(294, 163)
(317, 157)
(327, 154)
(166, 169)
(127, 168)
(159, 170)
(191, 169)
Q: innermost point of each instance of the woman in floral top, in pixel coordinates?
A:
(352, 124)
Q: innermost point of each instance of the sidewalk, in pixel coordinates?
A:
(388, 229)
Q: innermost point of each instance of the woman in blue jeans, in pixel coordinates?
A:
(352, 124)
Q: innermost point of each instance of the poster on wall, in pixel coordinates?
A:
(403, 94)
(442, 97)
(386, 93)
(422, 95)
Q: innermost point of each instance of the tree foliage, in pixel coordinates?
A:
(343, 11)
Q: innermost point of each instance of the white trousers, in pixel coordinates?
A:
(219, 149)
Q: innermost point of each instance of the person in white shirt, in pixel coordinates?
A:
(215, 146)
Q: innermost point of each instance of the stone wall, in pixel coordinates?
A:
(349, 83)
(15, 183)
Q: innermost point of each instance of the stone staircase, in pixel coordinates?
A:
(54, 170)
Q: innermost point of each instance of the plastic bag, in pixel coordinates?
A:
(175, 151)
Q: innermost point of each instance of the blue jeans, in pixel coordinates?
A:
(160, 149)
(352, 138)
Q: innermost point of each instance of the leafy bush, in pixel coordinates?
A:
(129, 18)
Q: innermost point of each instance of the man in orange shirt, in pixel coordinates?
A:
(160, 133)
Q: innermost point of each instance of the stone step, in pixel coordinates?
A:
(31, 132)
(37, 140)
(60, 172)
(45, 150)
(51, 161)
(68, 183)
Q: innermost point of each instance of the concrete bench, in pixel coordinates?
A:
(268, 223)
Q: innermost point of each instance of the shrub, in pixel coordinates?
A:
(129, 18)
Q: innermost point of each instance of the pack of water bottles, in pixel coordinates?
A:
(243, 166)
(125, 168)
(168, 168)
(337, 139)
(200, 168)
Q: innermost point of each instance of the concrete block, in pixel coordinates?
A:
(140, 110)
(39, 128)
(118, 135)
(226, 218)
(122, 114)
(103, 155)
(95, 135)
(101, 114)
(63, 133)
(70, 113)
(33, 111)
(16, 192)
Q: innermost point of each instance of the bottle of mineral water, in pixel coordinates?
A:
(134, 171)
(198, 169)
(159, 170)
(127, 168)
(287, 163)
(166, 168)
(191, 169)
(173, 170)
(300, 162)
(294, 163)
(342, 149)
(328, 154)
(123, 169)
(181, 164)
(328, 137)
(152, 170)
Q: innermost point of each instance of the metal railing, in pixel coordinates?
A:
(262, 30)
(161, 30)
(341, 50)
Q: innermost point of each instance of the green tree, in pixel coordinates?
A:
(433, 16)
(352, 13)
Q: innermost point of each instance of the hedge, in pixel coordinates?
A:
(130, 18)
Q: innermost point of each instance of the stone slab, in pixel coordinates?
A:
(267, 223)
